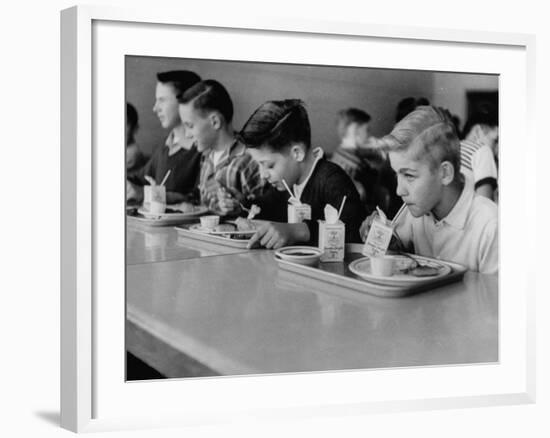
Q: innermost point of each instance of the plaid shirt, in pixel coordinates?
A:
(236, 171)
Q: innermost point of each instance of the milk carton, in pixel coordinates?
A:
(298, 212)
(332, 241)
(153, 194)
(332, 236)
(379, 237)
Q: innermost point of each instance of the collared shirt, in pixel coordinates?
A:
(468, 235)
(235, 171)
(174, 143)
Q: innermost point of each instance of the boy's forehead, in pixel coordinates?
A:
(165, 89)
(410, 158)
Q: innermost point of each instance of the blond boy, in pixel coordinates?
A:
(444, 218)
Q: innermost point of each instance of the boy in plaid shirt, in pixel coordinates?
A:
(228, 172)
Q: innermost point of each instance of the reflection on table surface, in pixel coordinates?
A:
(159, 244)
(201, 313)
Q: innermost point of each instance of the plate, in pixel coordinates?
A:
(361, 267)
(303, 255)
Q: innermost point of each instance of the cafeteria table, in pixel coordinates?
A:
(195, 310)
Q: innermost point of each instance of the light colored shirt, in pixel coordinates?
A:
(477, 164)
(468, 235)
(174, 142)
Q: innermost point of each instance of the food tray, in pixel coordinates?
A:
(166, 219)
(184, 231)
(339, 274)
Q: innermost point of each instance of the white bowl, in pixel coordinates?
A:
(303, 255)
(209, 222)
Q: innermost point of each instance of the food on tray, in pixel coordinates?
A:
(244, 224)
(225, 227)
(185, 207)
(254, 211)
(411, 266)
(424, 271)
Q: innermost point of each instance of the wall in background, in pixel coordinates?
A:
(450, 90)
(325, 90)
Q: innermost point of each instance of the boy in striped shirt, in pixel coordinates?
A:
(227, 172)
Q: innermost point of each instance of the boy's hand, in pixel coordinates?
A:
(275, 235)
(367, 223)
(133, 192)
(228, 201)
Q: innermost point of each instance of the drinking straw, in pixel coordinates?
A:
(342, 206)
(288, 189)
(399, 213)
(150, 180)
(165, 177)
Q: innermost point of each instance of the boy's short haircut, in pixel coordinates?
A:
(431, 129)
(181, 80)
(277, 124)
(131, 116)
(353, 115)
(207, 96)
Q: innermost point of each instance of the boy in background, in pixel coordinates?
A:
(444, 218)
(134, 158)
(178, 154)
(478, 151)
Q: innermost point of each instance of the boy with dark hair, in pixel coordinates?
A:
(228, 176)
(178, 154)
(278, 135)
(444, 219)
(134, 158)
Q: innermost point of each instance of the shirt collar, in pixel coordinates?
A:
(237, 148)
(459, 213)
(174, 142)
(299, 188)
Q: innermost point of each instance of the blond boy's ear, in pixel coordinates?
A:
(447, 172)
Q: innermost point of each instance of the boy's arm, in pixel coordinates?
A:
(275, 235)
(138, 177)
(485, 172)
(251, 180)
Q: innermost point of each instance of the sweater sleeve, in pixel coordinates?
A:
(138, 177)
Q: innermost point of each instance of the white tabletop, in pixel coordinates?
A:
(158, 244)
(238, 314)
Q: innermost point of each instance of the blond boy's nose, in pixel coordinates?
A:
(400, 189)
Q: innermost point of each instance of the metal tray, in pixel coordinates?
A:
(186, 233)
(338, 273)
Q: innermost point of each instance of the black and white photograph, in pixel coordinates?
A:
(293, 218)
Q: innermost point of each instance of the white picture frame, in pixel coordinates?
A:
(86, 176)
